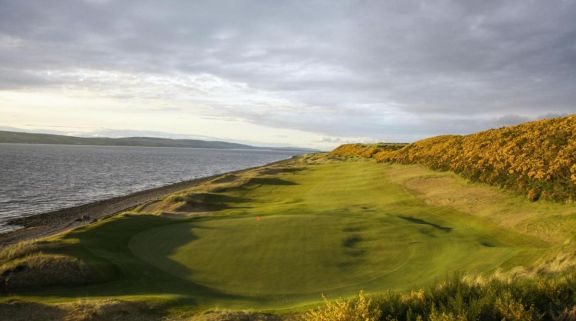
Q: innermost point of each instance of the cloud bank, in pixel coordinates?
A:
(329, 71)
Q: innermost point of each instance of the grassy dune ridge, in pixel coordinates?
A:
(537, 158)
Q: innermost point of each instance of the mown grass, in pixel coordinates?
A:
(279, 239)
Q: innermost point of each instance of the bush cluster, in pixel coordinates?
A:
(366, 150)
(538, 299)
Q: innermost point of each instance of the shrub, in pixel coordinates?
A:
(568, 314)
(464, 299)
(534, 195)
(513, 310)
(359, 309)
(444, 316)
(365, 150)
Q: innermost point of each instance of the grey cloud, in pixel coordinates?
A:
(331, 140)
(510, 120)
(355, 66)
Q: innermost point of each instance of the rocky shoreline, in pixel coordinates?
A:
(53, 222)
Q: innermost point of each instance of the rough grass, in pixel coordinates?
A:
(121, 310)
(36, 264)
(279, 239)
(81, 310)
(37, 270)
(18, 250)
(456, 299)
(547, 220)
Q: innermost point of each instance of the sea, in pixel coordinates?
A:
(36, 179)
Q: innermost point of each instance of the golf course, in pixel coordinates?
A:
(277, 238)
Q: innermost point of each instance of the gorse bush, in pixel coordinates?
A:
(445, 316)
(359, 309)
(568, 314)
(538, 299)
(537, 158)
(366, 150)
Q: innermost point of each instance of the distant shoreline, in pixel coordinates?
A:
(259, 149)
(53, 222)
(9, 137)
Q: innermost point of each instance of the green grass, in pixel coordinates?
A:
(282, 240)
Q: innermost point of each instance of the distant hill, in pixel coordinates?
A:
(33, 138)
(535, 158)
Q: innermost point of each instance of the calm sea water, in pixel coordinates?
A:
(40, 178)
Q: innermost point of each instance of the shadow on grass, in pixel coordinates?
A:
(110, 242)
(203, 202)
(279, 170)
(352, 249)
(30, 311)
(423, 222)
(351, 241)
(80, 310)
(269, 181)
(256, 182)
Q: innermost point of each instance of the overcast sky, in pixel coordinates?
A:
(307, 73)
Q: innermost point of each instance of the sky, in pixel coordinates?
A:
(313, 73)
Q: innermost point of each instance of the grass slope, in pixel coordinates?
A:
(537, 159)
(280, 240)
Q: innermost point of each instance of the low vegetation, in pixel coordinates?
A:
(366, 150)
(40, 270)
(359, 309)
(461, 299)
(33, 265)
(535, 158)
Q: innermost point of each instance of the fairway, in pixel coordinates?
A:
(333, 229)
(283, 237)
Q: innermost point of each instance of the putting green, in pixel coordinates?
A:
(276, 255)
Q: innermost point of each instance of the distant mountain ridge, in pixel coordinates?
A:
(36, 138)
(535, 158)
